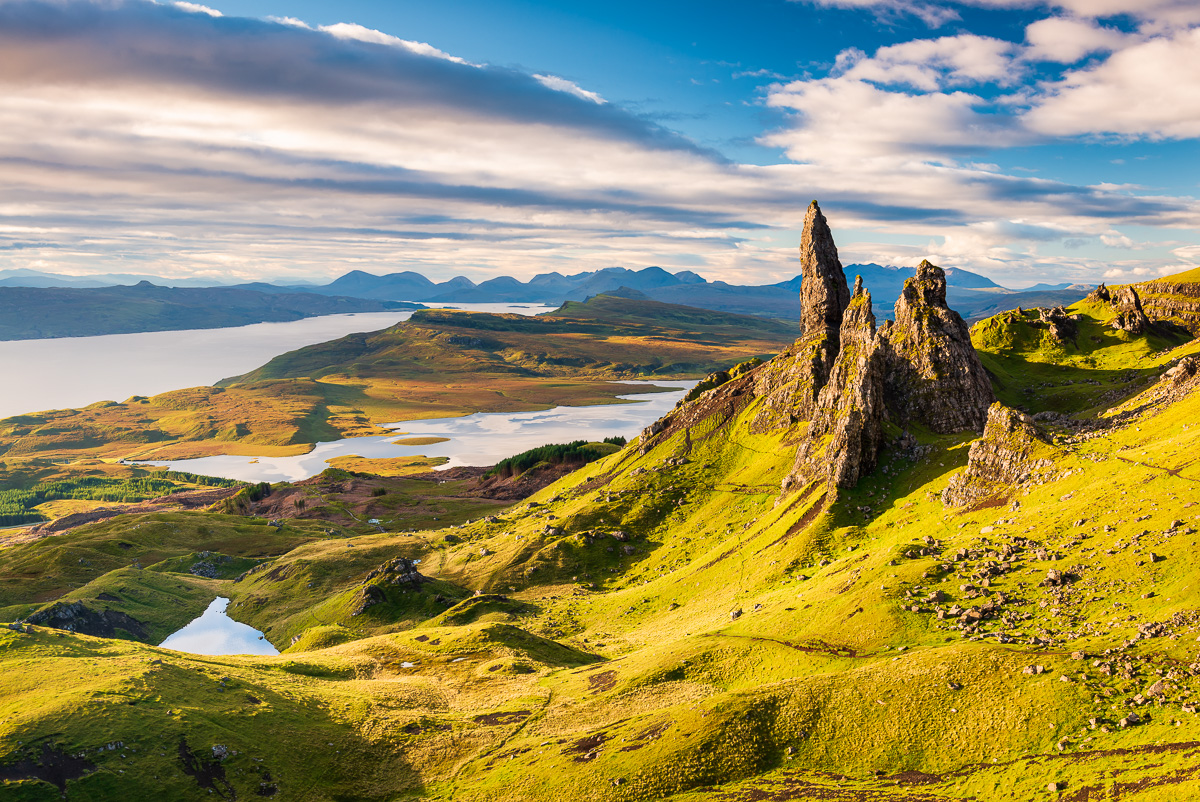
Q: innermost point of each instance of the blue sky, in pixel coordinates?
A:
(268, 139)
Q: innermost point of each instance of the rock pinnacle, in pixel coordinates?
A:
(823, 293)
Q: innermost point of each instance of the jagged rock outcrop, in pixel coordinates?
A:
(791, 386)
(397, 571)
(1168, 300)
(1126, 302)
(846, 431)
(77, 617)
(1130, 316)
(830, 394)
(1012, 452)
(934, 375)
(1062, 325)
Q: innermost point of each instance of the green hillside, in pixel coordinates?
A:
(698, 616)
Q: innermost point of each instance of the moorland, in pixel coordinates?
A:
(907, 560)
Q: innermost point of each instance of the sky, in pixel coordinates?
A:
(296, 140)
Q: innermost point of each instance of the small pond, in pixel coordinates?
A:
(217, 633)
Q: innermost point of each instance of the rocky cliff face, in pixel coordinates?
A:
(791, 387)
(934, 375)
(829, 395)
(1127, 304)
(1177, 301)
(846, 431)
(1012, 452)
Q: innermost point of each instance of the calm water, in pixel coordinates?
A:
(479, 439)
(76, 371)
(217, 633)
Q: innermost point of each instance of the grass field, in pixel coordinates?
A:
(663, 624)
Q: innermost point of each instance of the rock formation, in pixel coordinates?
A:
(934, 375)
(846, 431)
(77, 617)
(1012, 452)
(1126, 302)
(823, 293)
(829, 394)
(1063, 326)
(1173, 300)
(1130, 316)
(792, 386)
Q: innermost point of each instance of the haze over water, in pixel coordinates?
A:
(76, 371)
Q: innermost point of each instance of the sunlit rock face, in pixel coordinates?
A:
(934, 376)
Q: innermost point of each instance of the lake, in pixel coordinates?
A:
(484, 438)
(215, 632)
(72, 372)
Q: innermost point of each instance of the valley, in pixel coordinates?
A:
(899, 560)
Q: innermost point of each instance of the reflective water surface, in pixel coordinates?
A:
(216, 633)
(70, 372)
(484, 438)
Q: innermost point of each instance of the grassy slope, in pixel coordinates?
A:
(37, 572)
(822, 674)
(440, 363)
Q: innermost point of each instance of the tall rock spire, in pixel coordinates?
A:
(846, 432)
(791, 393)
(823, 293)
(934, 375)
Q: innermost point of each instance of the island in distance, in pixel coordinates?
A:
(33, 313)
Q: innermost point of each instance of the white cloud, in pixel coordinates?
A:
(932, 13)
(292, 21)
(358, 33)
(930, 64)
(1066, 40)
(1188, 253)
(1137, 273)
(1157, 14)
(570, 87)
(842, 118)
(1150, 89)
(196, 8)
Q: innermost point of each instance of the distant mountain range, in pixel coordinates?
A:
(972, 295)
(22, 277)
(28, 313)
